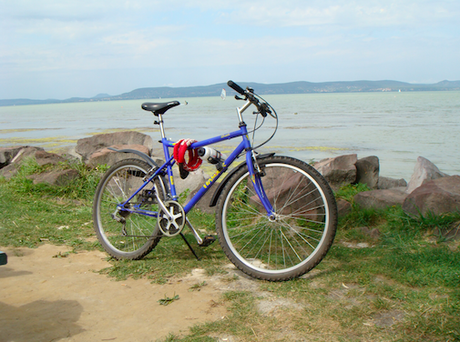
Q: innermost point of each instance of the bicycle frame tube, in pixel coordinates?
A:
(170, 163)
(244, 145)
(240, 148)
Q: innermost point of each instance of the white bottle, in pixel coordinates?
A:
(211, 155)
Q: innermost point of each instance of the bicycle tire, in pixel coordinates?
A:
(140, 234)
(301, 235)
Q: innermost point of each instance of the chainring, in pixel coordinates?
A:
(172, 224)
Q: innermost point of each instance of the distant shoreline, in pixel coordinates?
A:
(262, 89)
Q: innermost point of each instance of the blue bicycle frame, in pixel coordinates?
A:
(245, 145)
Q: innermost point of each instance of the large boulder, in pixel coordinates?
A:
(7, 154)
(424, 170)
(56, 177)
(389, 183)
(46, 158)
(110, 157)
(286, 192)
(367, 171)
(87, 146)
(14, 156)
(193, 183)
(343, 207)
(338, 171)
(380, 199)
(437, 196)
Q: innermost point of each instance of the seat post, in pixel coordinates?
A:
(162, 128)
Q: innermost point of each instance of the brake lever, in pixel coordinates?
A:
(238, 98)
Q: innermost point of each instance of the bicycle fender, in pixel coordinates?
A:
(144, 156)
(219, 189)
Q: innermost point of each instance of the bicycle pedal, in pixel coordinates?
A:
(207, 240)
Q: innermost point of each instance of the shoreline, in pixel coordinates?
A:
(396, 127)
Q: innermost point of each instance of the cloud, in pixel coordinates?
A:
(284, 37)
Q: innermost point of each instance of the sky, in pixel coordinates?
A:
(77, 48)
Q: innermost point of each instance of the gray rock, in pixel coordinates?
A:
(24, 152)
(338, 171)
(424, 170)
(380, 199)
(14, 157)
(438, 196)
(7, 154)
(193, 184)
(343, 207)
(87, 146)
(194, 180)
(57, 177)
(389, 183)
(109, 157)
(203, 203)
(46, 158)
(281, 190)
(367, 171)
(9, 171)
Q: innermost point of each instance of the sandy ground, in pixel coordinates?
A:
(47, 298)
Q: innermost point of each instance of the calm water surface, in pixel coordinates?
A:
(396, 127)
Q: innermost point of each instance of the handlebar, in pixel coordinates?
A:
(263, 108)
(235, 87)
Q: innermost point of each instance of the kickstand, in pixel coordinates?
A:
(189, 246)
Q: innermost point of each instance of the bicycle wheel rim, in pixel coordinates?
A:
(139, 230)
(282, 246)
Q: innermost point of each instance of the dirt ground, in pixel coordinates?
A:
(49, 298)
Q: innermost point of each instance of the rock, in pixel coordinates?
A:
(367, 171)
(194, 183)
(87, 146)
(338, 171)
(203, 203)
(343, 207)
(9, 171)
(281, 188)
(57, 177)
(7, 154)
(109, 157)
(389, 183)
(437, 196)
(14, 156)
(424, 170)
(46, 158)
(380, 199)
(24, 152)
(194, 180)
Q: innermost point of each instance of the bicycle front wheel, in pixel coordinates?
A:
(125, 234)
(291, 242)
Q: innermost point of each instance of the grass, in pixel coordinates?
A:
(404, 287)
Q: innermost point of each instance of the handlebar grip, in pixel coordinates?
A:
(235, 87)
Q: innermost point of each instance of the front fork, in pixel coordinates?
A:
(256, 174)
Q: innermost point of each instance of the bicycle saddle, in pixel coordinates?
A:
(159, 108)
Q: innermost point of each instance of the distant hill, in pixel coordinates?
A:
(262, 89)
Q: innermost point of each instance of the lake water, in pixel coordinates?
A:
(396, 127)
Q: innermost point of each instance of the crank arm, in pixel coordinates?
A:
(160, 202)
(199, 240)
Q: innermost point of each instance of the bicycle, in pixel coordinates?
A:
(276, 216)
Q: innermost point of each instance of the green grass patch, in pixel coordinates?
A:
(403, 287)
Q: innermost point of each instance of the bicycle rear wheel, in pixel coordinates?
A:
(296, 239)
(122, 233)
